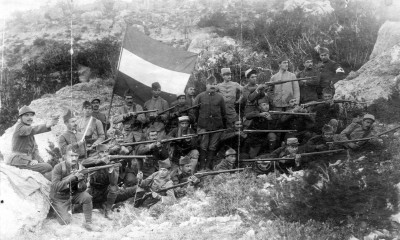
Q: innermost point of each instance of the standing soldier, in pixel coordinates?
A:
(329, 72)
(25, 153)
(282, 93)
(99, 115)
(190, 95)
(251, 86)
(157, 103)
(67, 186)
(90, 126)
(326, 113)
(228, 90)
(308, 88)
(212, 116)
(70, 137)
(127, 115)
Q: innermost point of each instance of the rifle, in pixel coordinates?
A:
(335, 101)
(302, 154)
(166, 110)
(117, 157)
(268, 131)
(187, 109)
(366, 139)
(141, 112)
(87, 128)
(171, 139)
(291, 113)
(292, 80)
(92, 169)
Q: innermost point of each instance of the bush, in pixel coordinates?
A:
(216, 19)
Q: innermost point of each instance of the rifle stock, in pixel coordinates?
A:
(366, 139)
(93, 169)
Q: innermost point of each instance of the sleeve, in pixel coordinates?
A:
(252, 115)
(170, 198)
(227, 135)
(100, 132)
(141, 117)
(90, 162)
(147, 182)
(165, 106)
(196, 110)
(119, 117)
(25, 130)
(223, 111)
(253, 96)
(310, 145)
(57, 183)
(345, 134)
(296, 90)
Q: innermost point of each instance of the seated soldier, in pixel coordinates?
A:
(180, 106)
(149, 192)
(228, 162)
(230, 139)
(104, 183)
(25, 153)
(94, 133)
(329, 112)
(183, 174)
(99, 115)
(70, 137)
(158, 150)
(363, 129)
(261, 120)
(185, 147)
(302, 124)
(288, 150)
(68, 185)
(319, 143)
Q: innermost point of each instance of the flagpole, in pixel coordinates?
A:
(116, 76)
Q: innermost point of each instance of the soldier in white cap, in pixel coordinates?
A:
(180, 110)
(25, 153)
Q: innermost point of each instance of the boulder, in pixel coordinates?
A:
(379, 77)
(24, 201)
(209, 41)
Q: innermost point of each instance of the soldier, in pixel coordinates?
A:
(99, 115)
(329, 72)
(250, 104)
(180, 110)
(25, 153)
(190, 95)
(147, 194)
(70, 137)
(308, 88)
(234, 138)
(159, 104)
(291, 149)
(67, 186)
(282, 93)
(104, 183)
(156, 149)
(261, 120)
(95, 131)
(327, 113)
(228, 90)
(185, 147)
(183, 174)
(319, 143)
(127, 115)
(211, 116)
(228, 162)
(363, 129)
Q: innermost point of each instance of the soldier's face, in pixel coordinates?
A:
(284, 65)
(253, 79)
(308, 64)
(292, 149)
(156, 92)
(129, 100)
(153, 135)
(96, 105)
(367, 124)
(72, 157)
(327, 96)
(164, 172)
(187, 168)
(293, 103)
(324, 57)
(127, 127)
(231, 159)
(103, 153)
(87, 111)
(264, 107)
(27, 118)
(191, 91)
(227, 77)
(184, 125)
(72, 124)
(181, 100)
(238, 125)
(211, 87)
(328, 136)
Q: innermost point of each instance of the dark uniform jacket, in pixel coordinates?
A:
(71, 138)
(60, 187)
(308, 88)
(329, 73)
(212, 114)
(324, 113)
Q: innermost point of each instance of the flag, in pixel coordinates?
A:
(144, 60)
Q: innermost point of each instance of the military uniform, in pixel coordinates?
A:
(135, 122)
(308, 88)
(95, 133)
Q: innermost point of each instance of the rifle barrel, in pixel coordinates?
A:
(172, 187)
(322, 152)
(166, 110)
(218, 172)
(113, 157)
(93, 169)
(292, 80)
(209, 132)
(290, 113)
(365, 139)
(265, 159)
(268, 131)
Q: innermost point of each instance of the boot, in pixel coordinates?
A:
(90, 227)
(210, 159)
(202, 159)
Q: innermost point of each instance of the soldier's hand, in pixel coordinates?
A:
(298, 159)
(139, 176)
(79, 176)
(124, 150)
(156, 195)
(51, 122)
(331, 102)
(321, 147)
(193, 179)
(158, 144)
(133, 114)
(352, 145)
(34, 162)
(106, 159)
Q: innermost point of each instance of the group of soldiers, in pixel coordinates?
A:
(151, 154)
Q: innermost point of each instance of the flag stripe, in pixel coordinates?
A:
(159, 53)
(147, 72)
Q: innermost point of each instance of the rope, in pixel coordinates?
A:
(71, 51)
(2, 57)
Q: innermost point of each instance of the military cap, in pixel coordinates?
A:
(155, 86)
(67, 116)
(369, 116)
(292, 142)
(164, 164)
(73, 148)
(262, 100)
(180, 95)
(225, 71)
(128, 93)
(307, 57)
(25, 109)
(183, 119)
(184, 160)
(86, 104)
(323, 50)
(96, 99)
(327, 129)
(152, 129)
(230, 151)
(249, 72)
(282, 59)
(101, 148)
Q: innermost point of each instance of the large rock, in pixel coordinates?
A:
(379, 77)
(209, 41)
(23, 205)
(58, 104)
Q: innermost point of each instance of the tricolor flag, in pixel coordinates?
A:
(144, 60)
